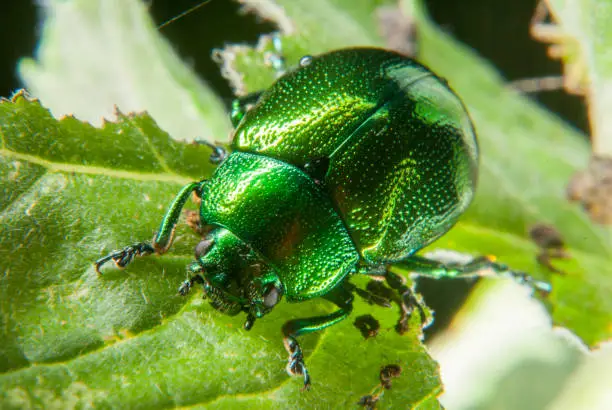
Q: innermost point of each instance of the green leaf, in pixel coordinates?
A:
(72, 193)
(125, 339)
(95, 55)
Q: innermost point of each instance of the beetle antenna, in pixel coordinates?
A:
(183, 14)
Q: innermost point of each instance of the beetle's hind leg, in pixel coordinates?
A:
(340, 296)
(408, 302)
(161, 241)
(478, 267)
(399, 292)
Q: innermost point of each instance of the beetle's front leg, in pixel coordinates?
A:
(196, 270)
(296, 364)
(161, 241)
(125, 256)
(297, 327)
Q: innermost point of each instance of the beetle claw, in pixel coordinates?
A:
(296, 367)
(185, 287)
(125, 256)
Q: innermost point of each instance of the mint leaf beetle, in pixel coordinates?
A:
(348, 164)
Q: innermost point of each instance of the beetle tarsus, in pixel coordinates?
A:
(218, 154)
(341, 297)
(122, 258)
(296, 364)
(478, 267)
(186, 286)
(408, 302)
(520, 277)
(523, 278)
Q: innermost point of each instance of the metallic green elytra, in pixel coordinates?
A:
(349, 163)
(403, 157)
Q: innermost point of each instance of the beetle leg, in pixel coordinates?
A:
(478, 267)
(373, 298)
(162, 239)
(219, 153)
(375, 293)
(125, 256)
(408, 302)
(398, 292)
(241, 105)
(185, 287)
(298, 327)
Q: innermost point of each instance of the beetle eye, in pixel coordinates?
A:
(202, 248)
(271, 297)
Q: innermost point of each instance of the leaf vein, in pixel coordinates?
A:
(91, 170)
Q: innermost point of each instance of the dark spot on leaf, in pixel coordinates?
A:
(546, 236)
(551, 245)
(592, 188)
(367, 325)
(389, 372)
(368, 402)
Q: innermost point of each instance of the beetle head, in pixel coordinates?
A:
(235, 278)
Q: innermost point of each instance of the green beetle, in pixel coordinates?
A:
(349, 163)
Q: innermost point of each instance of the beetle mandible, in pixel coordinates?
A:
(349, 163)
